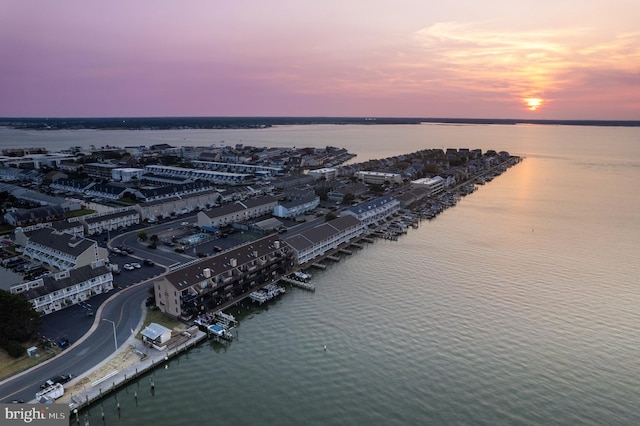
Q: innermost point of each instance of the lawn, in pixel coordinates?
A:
(11, 366)
(154, 315)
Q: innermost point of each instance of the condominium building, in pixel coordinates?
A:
(207, 284)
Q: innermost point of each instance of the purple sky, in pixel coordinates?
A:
(560, 59)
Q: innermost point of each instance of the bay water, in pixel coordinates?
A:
(520, 305)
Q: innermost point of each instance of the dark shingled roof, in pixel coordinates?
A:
(109, 216)
(240, 206)
(78, 275)
(186, 277)
(321, 232)
(37, 214)
(64, 242)
(375, 203)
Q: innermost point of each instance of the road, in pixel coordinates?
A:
(124, 309)
(90, 326)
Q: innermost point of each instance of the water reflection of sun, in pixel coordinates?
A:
(533, 103)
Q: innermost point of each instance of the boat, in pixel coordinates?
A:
(301, 276)
(266, 293)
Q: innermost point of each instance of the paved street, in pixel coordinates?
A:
(90, 325)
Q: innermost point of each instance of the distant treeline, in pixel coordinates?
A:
(165, 123)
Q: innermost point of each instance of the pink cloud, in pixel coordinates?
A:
(332, 58)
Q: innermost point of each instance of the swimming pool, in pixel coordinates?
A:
(194, 239)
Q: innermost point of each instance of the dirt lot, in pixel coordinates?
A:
(127, 357)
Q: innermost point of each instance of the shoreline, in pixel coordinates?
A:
(126, 365)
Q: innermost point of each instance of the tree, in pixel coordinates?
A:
(376, 188)
(329, 216)
(142, 235)
(18, 322)
(348, 198)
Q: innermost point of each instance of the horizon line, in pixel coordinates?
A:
(366, 119)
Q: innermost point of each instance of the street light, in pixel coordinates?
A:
(115, 339)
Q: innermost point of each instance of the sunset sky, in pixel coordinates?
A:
(542, 59)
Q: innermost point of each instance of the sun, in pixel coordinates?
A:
(533, 103)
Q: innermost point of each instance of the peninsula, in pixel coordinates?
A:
(193, 231)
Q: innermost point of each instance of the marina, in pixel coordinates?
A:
(266, 293)
(305, 285)
(540, 304)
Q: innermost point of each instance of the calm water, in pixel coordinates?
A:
(518, 306)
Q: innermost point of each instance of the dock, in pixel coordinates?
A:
(300, 284)
(117, 380)
(219, 331)
(266, 293)
(319, 265)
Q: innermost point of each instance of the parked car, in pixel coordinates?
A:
(217, 249)
(148, 262)
(61, 378)
(62, 342)
(136, 265)
(128, 267)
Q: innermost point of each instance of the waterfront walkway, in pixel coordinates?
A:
(133, 360)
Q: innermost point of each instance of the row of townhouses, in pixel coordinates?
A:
(65, 288)
(84, 268)
(324, 237)
(58, 249)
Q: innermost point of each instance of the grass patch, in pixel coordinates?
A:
(154, 315)
(10, 366)
(6, 229)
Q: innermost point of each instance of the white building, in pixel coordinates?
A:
(328, 173)
(110, 221)
(378, 177)
(126, 174)
(324, 237)
(375, 210)
(239, 211)
(63, 289)
(211, 176)
(156, 335)
(297, 205)
(435, 185)
(60, 250)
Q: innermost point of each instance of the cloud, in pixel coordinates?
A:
(543, 63)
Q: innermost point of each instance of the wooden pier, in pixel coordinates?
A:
(299, 284)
